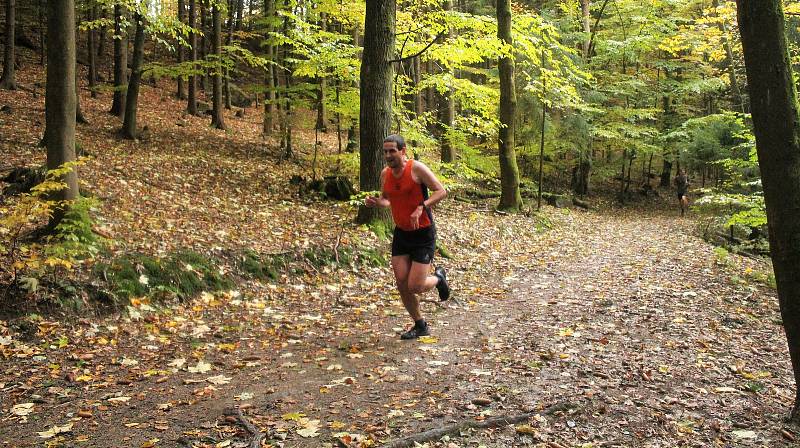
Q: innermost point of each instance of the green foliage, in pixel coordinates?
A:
(381, 229)
(74, 239)
(71, 243)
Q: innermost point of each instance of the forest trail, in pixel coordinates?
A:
(635, 329)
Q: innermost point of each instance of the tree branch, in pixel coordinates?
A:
(495, 422)
(405, 58)
(258, 436)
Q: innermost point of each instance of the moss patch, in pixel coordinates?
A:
(179, 275)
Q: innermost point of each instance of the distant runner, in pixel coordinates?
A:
(682, 183)
(405, 185)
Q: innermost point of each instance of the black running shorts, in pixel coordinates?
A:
(419, 244)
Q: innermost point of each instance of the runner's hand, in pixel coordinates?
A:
(415, 217)
(370, 201)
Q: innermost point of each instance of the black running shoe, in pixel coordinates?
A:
(442, 287)
(416, 332)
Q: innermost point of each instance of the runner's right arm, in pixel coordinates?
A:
(379, 201)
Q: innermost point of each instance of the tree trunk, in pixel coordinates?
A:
(101, 37)
(60, 97)
(79, 117)
(586, 16)
(447, 112)
(418, 108)
(40, 9)
(120, 63)
(510, 198)
(375, 116)
(129, 130)
(204, 43)
(773, 104)
(737, 99)
(226, 86)
(217, 119)
(321, 119)
(192, 90)
(580, 175)
(269, 80)
(181, 94)
(8, 80)
(90, 38)
(286, 119)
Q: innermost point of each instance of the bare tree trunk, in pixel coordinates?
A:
(418, 108)
(321, 118)
(181, 94)
(79, 117)
(90, 38)
(101, 37)
(376, 98)
(192, 96)
(129, 129)
(586, 16)
(510, 197)
(776, 123)
(269, 80)
(120, 63)
(217, 118)
(286, 122)
(226, 86)
(41, 4)
(8, 80)
(60, 97)
(204, 43)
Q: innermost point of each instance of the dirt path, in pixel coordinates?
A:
(644, 334)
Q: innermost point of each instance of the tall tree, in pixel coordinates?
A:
(129, 129)
(447, 112)
(192, 94)
(776, 123)
(59, 102)
(269, 80)
(217, 119)
(226, 85)
(181, 94)
(737, 99)
(120, 61)
(376, 97)
(90, 49)
(321, 118)
(8, 80)
(510, 197)
(203, 51)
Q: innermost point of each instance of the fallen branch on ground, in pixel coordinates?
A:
(495, 422)
(258, 436)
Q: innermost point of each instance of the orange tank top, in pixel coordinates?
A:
(405, 196)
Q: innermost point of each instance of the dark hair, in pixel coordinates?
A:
(397, 139)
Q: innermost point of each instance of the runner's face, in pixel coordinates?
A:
(393, 156)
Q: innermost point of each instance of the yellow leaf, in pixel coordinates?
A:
(292, 416)
(428, 340)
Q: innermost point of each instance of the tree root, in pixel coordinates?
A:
(258, 436)
(494, 422)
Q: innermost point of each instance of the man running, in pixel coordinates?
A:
(405, 185)
(682, 184)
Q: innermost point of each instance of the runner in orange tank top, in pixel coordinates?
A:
(405, 187)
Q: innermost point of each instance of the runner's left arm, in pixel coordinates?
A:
(426, 176)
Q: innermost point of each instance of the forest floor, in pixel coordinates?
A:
(611, 327)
